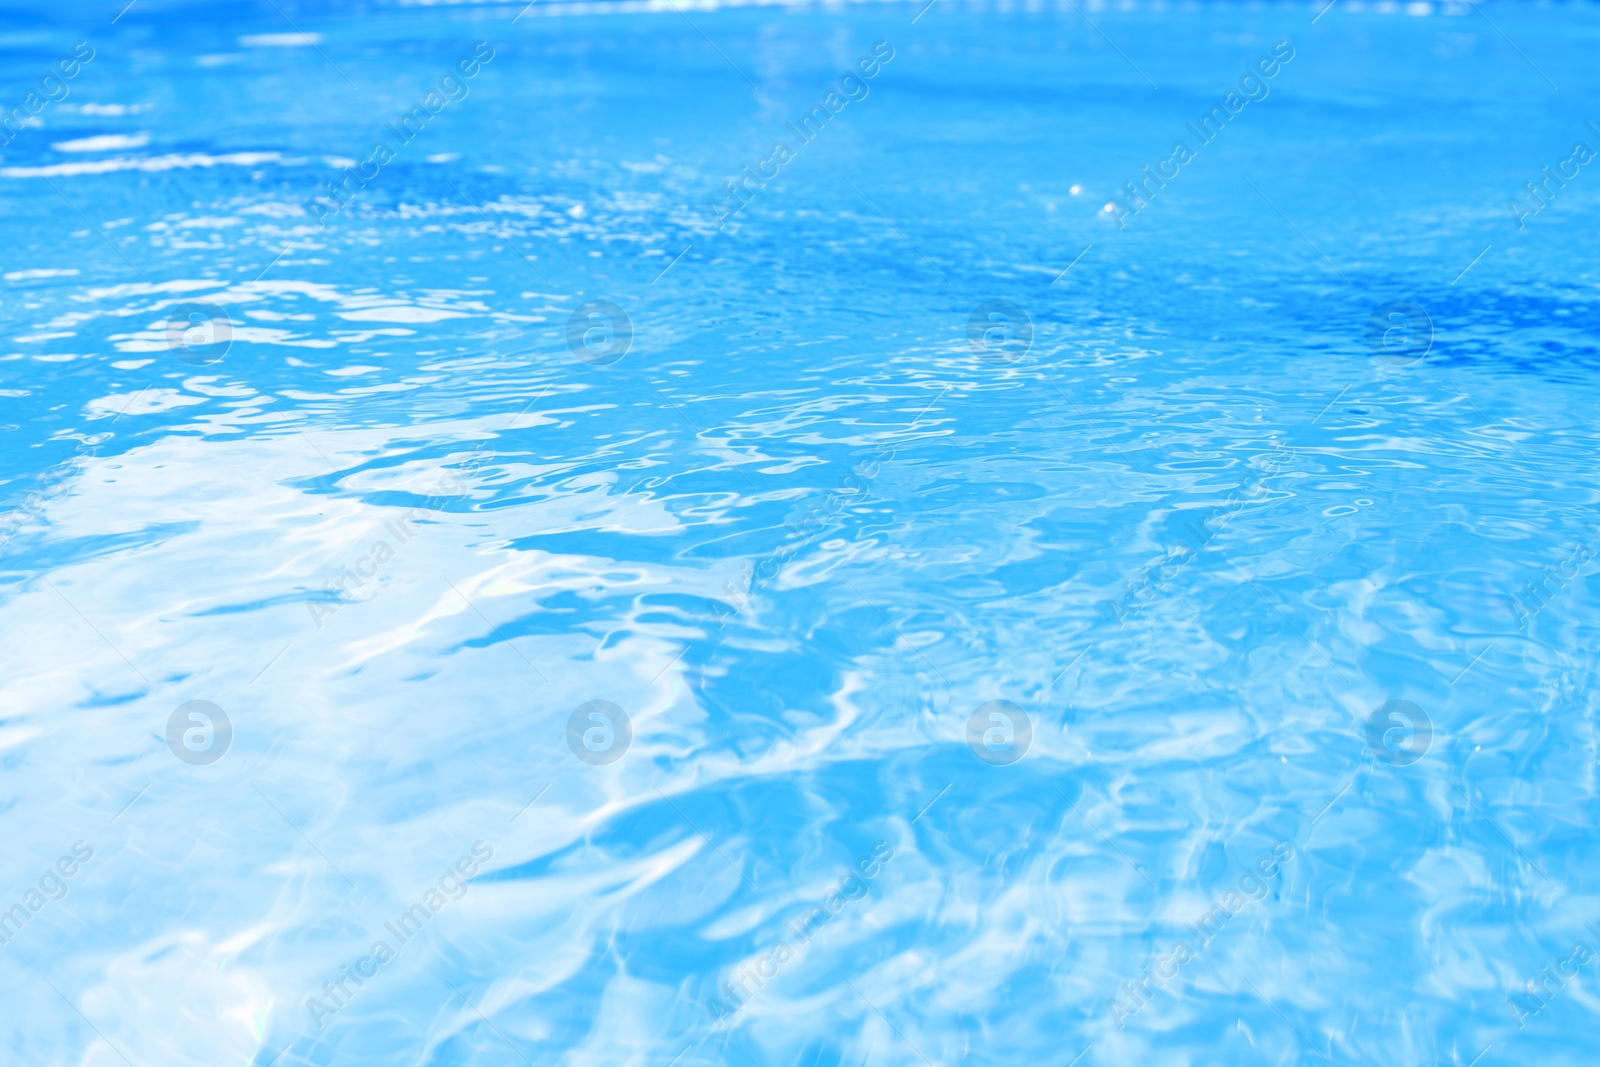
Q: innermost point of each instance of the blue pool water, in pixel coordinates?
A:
(504, 564)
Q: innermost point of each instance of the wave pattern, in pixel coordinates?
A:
(493, 610)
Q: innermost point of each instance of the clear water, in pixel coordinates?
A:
(659, 729)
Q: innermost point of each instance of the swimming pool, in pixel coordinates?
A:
(873, 533)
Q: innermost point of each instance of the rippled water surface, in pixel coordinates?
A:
(486, 601)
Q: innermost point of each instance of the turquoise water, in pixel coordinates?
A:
(599, 534)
